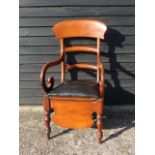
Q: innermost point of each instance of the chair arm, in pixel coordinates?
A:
(50, 80)
(101, 82)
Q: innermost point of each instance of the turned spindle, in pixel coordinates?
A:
(47, 123)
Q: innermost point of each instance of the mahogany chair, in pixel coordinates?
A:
(74, 102)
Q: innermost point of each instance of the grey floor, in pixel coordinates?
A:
(118, 136)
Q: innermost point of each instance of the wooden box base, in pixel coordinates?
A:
(73, 112)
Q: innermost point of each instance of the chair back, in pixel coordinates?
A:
(75, 29)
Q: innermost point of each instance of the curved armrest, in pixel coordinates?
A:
(44, 69)
(101, 82)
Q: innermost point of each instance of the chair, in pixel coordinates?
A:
(74, 102)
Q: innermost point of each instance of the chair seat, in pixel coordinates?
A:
(80, 88)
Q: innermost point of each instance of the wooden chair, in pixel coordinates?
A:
(74, 102)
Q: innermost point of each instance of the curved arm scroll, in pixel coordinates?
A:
(44, 69)
(101, 82)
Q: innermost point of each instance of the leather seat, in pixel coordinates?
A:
(80, 88)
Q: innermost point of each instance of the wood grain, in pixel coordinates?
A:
(51, 41)
(78, 114)
(50, 21)
(75, 3)
(80, 28)
(75, 11)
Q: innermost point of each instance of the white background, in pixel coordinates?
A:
(145, 77)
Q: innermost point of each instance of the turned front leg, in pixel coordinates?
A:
(47, 123)
(99, 127)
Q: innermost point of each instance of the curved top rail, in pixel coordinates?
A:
(80, 28)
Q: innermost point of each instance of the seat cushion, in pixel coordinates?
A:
(81, 88)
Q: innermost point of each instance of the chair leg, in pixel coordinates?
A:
(47, 123)
(99, 127)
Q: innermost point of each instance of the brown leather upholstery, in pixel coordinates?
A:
(80, 88)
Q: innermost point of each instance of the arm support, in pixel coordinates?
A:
(101, 82)
(44, 69)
